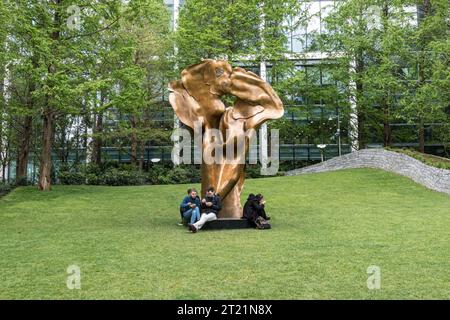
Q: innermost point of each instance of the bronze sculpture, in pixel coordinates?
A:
(197, 97)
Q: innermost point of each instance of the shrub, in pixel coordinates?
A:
(75, 178)
(443, 165)
(167, 174)
(427, 159)
(94, 179)
(253, 171)
(116, 177)
(92, 168)
(194, 174)
(114, 174)
(5, 188)
(178, 175)
(74, 175)
(155, 172)
(22, 181)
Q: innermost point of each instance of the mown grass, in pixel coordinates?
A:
(328, 229)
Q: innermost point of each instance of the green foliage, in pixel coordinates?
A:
(428, 98)
(176, 175)
(253, 171)
(212, 29)
(71, 175)
(434, 161)
(368, 41)
(115, 177)
(73, 178)
(163, 174)
(5, 189)
(116, 63)
(232, 30)
(115, 174)
(155, 172)
(77, 60)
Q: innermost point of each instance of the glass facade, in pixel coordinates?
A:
(170, 5)
(302, 35)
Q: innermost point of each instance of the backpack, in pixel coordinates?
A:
(262, 223)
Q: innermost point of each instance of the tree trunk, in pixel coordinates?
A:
(386, 134)
(98, 131)
(421, 137)
(62, 154)
(141, 161)
(7, 152)
(426, 7)
(8, 163)
(27, 127)
(45, 167)
(134, 142)
(48, 115)
(385, 99)
(386, 124)
(2, 150)
(97, 140)
(24, 149)
(77, 143)
(84, 136)
(360, 105)
(2, 112)
(1, 145)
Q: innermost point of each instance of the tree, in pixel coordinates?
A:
(384, 80)
(142, 48)
(3, 115)
(23, 72)
(238, 30)
(368, 40)
(428, 97)
(50, 42)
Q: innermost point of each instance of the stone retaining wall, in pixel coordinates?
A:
(431, 177)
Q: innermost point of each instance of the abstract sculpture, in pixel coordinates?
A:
(197, 97)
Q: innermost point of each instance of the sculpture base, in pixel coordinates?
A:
(228, 223)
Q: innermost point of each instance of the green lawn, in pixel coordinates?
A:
(327, 230)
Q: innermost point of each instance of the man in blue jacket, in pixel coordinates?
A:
(211, 206)
(190, 207)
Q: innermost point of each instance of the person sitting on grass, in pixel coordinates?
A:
(254, 208)
(211, 206)
(190, 207)
(261, 203)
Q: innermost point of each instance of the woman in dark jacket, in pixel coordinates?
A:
(254, 208)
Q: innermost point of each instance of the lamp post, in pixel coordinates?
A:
(338, 131)
(321, 147)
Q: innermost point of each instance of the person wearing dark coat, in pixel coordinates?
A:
(254, 208)
(260, 211)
